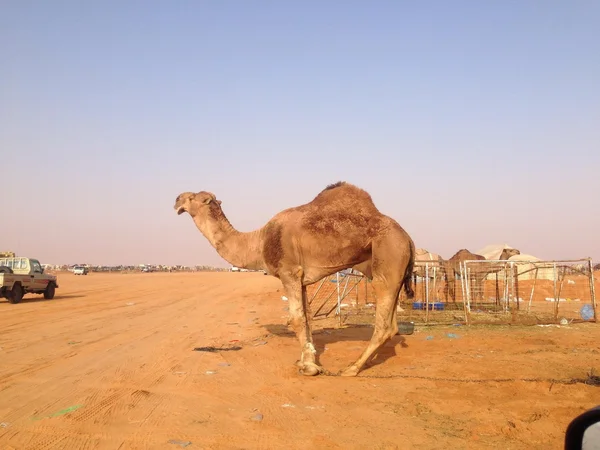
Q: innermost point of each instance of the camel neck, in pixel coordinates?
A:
(237, 248)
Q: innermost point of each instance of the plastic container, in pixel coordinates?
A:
(587, 312)
(438, 306)
(406, 328)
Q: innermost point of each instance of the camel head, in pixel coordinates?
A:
(508, 252)
(195, 204)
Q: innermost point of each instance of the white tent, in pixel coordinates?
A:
(492, 251)
(526, 265)
(526, 271)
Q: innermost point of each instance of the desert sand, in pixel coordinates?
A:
(109, 363)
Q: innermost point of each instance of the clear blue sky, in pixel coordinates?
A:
(469, 122)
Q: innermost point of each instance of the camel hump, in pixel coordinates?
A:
(345, 191)
(335, 185)
(464, 254)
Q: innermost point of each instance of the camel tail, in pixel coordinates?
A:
(407, 281)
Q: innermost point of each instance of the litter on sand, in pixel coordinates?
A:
(62, 412)
(180, 443)
(217, 349)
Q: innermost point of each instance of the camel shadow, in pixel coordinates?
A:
(363, 333)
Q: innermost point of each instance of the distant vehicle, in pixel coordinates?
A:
(147, 269)
(20, 276)
(235, 269)
(80, 270)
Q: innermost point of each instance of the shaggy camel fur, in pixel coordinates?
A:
(452, 269)
(340, 228)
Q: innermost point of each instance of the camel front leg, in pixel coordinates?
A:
(297, 301)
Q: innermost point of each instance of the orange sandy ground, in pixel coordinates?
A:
(121, 348)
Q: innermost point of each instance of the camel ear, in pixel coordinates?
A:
(219, 202)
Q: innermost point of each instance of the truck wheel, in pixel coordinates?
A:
(49, 292)
(16, 294)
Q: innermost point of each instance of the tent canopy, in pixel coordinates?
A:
(492, 251)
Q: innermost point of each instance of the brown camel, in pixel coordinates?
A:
(340, 228)
(452, 269)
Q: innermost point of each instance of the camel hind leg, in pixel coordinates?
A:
(388, 275)
(365, 269)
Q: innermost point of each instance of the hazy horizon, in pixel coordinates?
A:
(469, 123)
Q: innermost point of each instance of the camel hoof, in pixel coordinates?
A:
(310, 370)
(350, 371)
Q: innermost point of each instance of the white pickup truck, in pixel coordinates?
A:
(20, 276)
(80, 270)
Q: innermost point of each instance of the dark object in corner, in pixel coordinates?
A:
(217, 349)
